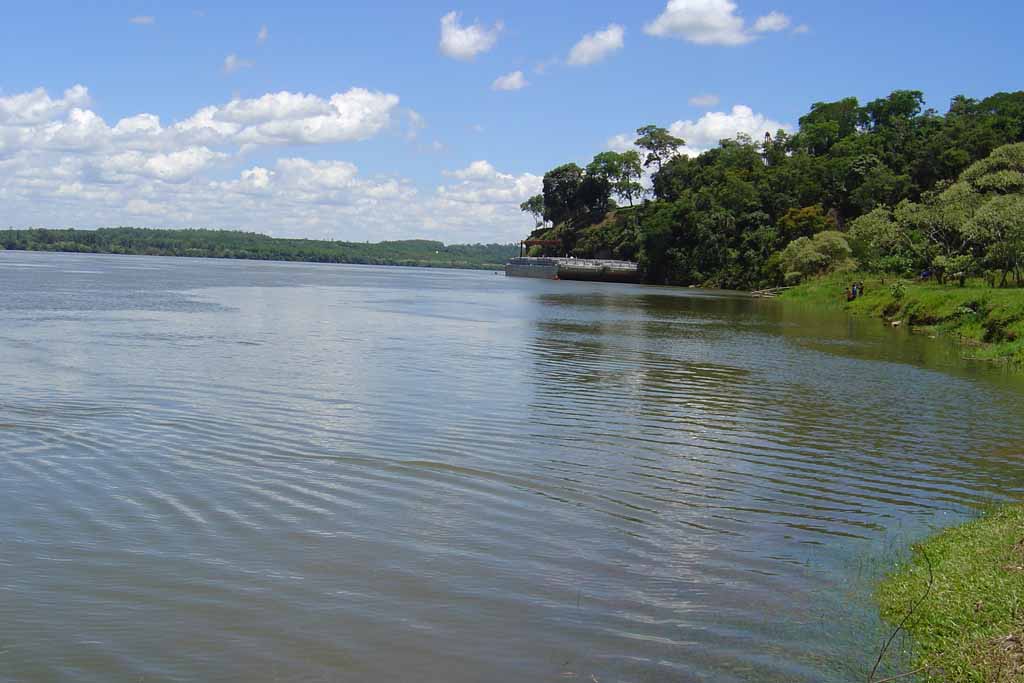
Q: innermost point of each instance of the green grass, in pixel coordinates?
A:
(988, 322)
(970, 627)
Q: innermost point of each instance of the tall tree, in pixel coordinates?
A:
(561, 193)
(660, 144)
(535, 207)
(621, 171)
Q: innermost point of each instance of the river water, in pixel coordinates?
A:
(242, 471)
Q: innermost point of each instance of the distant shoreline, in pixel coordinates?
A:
(225, 244)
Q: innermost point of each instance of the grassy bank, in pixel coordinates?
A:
(964, 591)
(988, 322)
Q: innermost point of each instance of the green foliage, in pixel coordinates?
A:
(535, 207)
(815, 255)
(621, 172)
(561, 193)
(898, 290)
(903, 183)
(805, 222)
(243, 245)
(661, 146)
(965, 589)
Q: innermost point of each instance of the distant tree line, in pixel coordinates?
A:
(888, 185)
(244, 245)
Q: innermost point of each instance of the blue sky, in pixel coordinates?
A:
(428, 146)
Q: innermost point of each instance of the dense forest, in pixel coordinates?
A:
(243, 245)
(888, 186)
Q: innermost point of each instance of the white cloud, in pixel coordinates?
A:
(140, 125)
(711, 22)
(802, 28)
(594, 47)
(273, 106)
(707, 131)
(771, 22)
(512, 81)
(262, 36)
(704, 101)
(37, 106)
(34, 120)
(143, 20)
(478, 170)
(179, 166)
(233, 63)
(466, 42)
(256, 179)
(314, 176)
(621, 142)
(482, 183)
(293, 118)
(62, 164)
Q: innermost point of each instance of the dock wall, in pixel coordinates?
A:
(595, 270)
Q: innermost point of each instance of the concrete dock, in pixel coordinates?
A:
(595, 270)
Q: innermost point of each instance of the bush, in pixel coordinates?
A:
(898, 290)
(822, 253)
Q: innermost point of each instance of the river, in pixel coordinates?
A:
(247, 471)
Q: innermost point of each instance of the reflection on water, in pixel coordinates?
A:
(255, 471)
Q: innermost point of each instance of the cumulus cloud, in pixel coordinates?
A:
(622, 142)
(143, 20)
(293, 118)
(262, 36)
(466, 42)
(594, 47)
(707, 131)
(37, 106)
(34, 121)
(802, 28)
(482, 183)
(704, 101)
(62, 164)
(512, 81)
(711, 22)
(233, 63)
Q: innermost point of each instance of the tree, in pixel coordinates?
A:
(808, 256)
(899, 106)
(660, 144)
(880, 243)
(914, 189)
(999, 225)
(621, 170)
(535, 207)
(594, 194)
(561, 190)
(828, 123)
(805, 222)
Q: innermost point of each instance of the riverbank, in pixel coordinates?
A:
(987, 322)
(963, 590)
